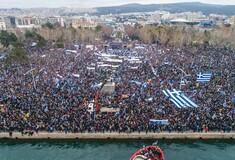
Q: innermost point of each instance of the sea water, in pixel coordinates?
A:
(114, 150)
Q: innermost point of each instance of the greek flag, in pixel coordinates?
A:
(179, 99)
(204, 77)
(136, 82)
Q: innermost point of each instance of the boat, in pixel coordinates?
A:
(152, 152)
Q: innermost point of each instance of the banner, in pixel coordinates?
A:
(161, 122)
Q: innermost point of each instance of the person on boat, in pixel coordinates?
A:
(156, 153)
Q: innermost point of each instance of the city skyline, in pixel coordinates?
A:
(96, 3)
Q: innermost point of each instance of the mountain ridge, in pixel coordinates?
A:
(171, 7)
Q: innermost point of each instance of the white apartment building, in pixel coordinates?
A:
(84, 22)
(2, 24)
(160, 15)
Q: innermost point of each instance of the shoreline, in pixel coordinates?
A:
(119, 136)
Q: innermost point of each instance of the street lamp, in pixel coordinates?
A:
(183, 72)
(31, 70)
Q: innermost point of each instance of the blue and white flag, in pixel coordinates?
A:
(144, 85)
(179, 99)
(161, 122)
(204, 77)
(136, 82)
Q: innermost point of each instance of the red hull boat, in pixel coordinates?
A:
(149, 153)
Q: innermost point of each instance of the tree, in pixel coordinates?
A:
(119, 35)
(41, 42)
(30, 35)
(17, 44)
(73, 30)
(98, 28)
(227, 25)
(137, 25)
(132, 32)
(106, 32)
(60, 43)
(7, 39)
(48, 25)
(17, 54)
(207, 37)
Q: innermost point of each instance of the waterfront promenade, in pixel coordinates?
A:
(121, 136)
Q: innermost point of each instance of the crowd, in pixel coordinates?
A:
(52, 92)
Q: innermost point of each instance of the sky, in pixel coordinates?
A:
(94, 3)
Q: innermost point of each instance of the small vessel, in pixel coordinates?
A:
(152, 152)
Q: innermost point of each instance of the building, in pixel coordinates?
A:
(23, 21)
(195, 16)
(160, 16)
(10, 22)
(28, 22)
(231, 20)
(2, 24)
(30, 26)
(84, 22)
(206, 24)
(77, 24)
(56, 20)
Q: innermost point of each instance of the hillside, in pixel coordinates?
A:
(171, 7)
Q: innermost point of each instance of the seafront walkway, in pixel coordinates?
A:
(115, 135)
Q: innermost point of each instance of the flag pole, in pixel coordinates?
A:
(183, 72)
(33, 76)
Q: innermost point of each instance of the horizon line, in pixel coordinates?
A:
(111, 5)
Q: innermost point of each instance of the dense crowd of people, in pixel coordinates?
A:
(52, 92)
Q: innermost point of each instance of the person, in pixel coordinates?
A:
(59, 98)
(10, 133)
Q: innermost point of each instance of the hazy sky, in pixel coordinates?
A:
(94, 3)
